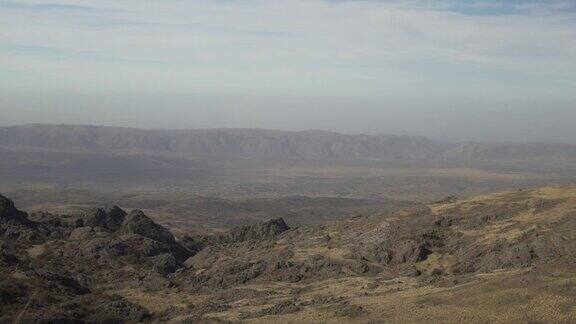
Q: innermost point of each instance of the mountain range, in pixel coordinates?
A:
(260, 143)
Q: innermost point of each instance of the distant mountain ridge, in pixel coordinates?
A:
(262, 143)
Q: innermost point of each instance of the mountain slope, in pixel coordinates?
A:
(263, 143)
(243, 142)
(505, 257)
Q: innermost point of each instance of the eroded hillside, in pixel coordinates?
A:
(506, 257)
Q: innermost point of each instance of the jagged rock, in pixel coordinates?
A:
(10, 215)
(411, 251)
(157, 238)
(138, 223)
(505, 253)
(143, 246)
(71, 279)
(139, 241)
(372, 252)
(94, 217)
(115, 218)
(110, 219)
(195, 243)
(260, 231)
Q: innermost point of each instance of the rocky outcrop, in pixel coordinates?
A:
(14, 224)
(109, 219)
(109, 251)
(9, 215)
(259, 231)
(138, 223)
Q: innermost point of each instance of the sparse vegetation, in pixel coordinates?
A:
(406, 266)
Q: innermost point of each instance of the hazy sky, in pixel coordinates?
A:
(472, 69)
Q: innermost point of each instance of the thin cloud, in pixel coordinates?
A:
(296, 46)
(49, 7)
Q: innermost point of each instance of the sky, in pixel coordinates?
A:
(486, 70)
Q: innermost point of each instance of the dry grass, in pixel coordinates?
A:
(36, 250)
(544, 295)
(494, 298)
(436, 261)
(519, 223)
(158, 302)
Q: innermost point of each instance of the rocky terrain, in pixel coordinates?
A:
(506, 257)
(188, 213)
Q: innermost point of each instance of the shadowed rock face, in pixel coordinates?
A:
(14, 224)
(263, 231)
(110, 219)
(115, 218)
(154, 238)
(68, 259)
(9, 213)
(138, 223)
(259, 231)
(92, 251)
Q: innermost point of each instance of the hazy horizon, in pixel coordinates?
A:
(473, 70)
(343, 115)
